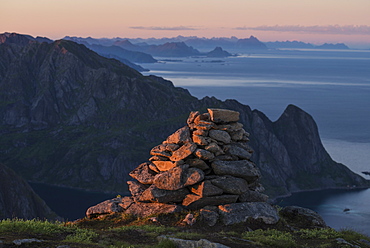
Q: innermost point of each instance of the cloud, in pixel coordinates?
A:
(329, 29)
(165, 28)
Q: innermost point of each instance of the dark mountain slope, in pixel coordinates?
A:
(71, 117)
(17, 199)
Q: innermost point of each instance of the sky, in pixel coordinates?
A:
(315, 21)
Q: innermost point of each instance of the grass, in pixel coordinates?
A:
(121, 231)
(271, 237)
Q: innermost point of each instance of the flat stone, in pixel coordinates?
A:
(253, 196)
(201, 132)
(181, 136)
(143, 174)
(136, 188)
(183, 152)
(204, 154)
(158, 158)
(193, 201)
(105, 207)
(200, 140)
(209, 215)
(164, 165)
(153, 194)
(206, 188)
(178, 177)
(26, 241)
(220, 135)
(223, 115)
(145, 209)
(231, 185)
(192, 116)
(197, 163)
(237, 150)
(240, 212)
(237, 135)
(231, 127)
(242, 168)
(192, 176)
(183, 243)
(214, 148)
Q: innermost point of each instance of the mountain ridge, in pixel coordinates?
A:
(71, 117)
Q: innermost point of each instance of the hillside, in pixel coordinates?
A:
(17, 199)
(71, 117)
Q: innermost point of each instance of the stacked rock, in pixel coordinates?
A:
(206, 163)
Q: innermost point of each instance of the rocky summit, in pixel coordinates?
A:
(205, 166)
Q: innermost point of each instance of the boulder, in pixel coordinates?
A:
(143, 173)
(240, 212)
(302, 217)
(223, 115)
(242, 168)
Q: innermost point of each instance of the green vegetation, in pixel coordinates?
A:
(123, 231)
(271, 237)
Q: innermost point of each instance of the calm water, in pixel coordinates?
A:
(332, 86)
(71, 204)
(330, 205)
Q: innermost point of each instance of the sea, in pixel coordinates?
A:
(333, 86)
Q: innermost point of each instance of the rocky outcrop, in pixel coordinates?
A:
(17, 199)
(73, 118)
(205, 163)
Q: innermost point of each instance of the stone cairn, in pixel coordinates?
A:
(203, 166)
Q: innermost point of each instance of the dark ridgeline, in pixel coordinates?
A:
(17, 199)
(71, 117)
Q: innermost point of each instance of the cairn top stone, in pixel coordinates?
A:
(223, 115)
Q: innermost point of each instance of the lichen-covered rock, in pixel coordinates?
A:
(143, 174)
(109, 206)
(181, 136)
(178, 177)
(183, 152)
